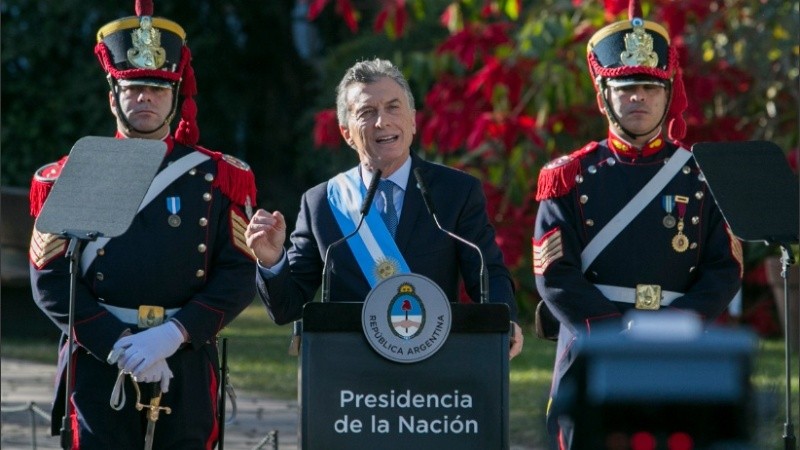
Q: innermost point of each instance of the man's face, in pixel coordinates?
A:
(380, 124)
(639, 107)
(145, 107)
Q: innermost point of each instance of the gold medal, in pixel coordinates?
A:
(680, 243)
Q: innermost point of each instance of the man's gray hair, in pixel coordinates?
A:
(368, 72)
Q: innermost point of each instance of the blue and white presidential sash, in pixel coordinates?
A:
(373, 246)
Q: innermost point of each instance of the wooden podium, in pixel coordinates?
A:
(351, 397)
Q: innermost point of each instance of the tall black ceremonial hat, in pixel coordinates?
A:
(639, 51)
(152, 51)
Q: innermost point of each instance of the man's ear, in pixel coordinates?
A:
(600, 105)
(112, 103)
(346, 135)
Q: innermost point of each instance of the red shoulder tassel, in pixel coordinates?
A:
(557, 181)
(557, 178)
(38, 194)
(237, 183)
(42, 184)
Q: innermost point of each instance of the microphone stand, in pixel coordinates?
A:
(787, 259)
(426, 197)
(73, 253)
(484, 281)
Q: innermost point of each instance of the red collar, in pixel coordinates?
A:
(618, 145)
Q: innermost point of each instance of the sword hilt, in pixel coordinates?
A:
(154, 408)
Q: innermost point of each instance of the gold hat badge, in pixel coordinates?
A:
(638, 47)
(146, 52)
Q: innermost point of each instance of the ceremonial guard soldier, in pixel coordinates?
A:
(150, 302)
(628, 222)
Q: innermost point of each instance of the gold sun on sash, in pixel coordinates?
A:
(385, 268)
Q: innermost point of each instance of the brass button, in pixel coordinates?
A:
(101, 251)
(584, 199)
(207, 196)
(200, 273)
(193, 172)
(203, 221)
(201, 248)
(589, 222)
(209, 177)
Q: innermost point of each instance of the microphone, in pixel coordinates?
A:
(326, 276)
(426, 197)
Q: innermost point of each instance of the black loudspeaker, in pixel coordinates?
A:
(664, 384)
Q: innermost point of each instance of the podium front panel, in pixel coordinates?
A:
(353, 398)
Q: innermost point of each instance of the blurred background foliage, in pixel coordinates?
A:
(501, 85)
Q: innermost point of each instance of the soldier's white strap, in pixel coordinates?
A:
(164, 178)
(131, 315)
(628, 295)
(634, 207)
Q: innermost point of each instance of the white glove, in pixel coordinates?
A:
(142, 350)
(158, 372)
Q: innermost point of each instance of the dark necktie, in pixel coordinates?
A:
(389, 214)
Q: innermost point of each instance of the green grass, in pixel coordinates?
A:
(259, 363)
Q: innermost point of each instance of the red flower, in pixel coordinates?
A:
(792, 158)
(392, 17)
(326, 129)
(614, 7)
(474, 41)
(315, 8)
(450, 114)
(343, 7)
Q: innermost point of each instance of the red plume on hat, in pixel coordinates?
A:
(149, 50)
(639, 51)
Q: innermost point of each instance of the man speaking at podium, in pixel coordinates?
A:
(375, 109)
(157, 295)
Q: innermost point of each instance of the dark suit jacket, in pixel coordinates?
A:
(461, 208)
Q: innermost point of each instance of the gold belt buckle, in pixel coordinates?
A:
(648, 296)
(150, 316)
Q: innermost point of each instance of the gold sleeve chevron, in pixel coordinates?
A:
(45, 247)
(736, 250)
(547, 250)
(238, 227)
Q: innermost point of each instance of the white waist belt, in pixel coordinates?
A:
(628, 295)
(131, 316)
